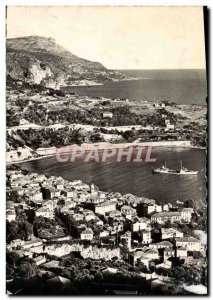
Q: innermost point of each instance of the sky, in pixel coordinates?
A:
(119, 37)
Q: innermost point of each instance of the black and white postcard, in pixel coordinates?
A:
(106, 150)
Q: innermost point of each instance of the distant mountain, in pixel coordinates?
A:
(40, 60)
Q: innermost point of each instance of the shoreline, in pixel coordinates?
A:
(147, 144)
(199, 202)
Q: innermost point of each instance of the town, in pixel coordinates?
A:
(61, 233)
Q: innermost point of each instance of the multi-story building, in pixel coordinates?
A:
(181, 252)
(189, 243)
(186, 214)
(161, 245)
(146, 237)
(69, 193)
(140, 224)
(163, 217)
(44, 212)
(49, 192)
(128, 211)
(105, 207)
(167, 233)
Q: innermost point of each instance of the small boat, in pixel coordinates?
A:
(183, 171)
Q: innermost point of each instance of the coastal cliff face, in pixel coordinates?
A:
(40, 60)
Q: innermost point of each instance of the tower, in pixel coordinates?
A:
(92, 189)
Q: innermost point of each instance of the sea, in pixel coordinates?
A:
(181, 86)
(137, 178)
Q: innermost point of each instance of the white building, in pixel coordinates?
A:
(146, 237)
(107, 114)
(152, 254)
(140, 224)
(128, 211)
(181, 252)
(87, 234)
(90, 216)
(69, 193)
(17, 243)
(186, 214)
(37, 196)
(161, 245)
(170, 126)
(168, 253)
(117, 226)
(11, 216)
(166, 265)
(189, 243)
(44, 212)
(105, 207)
(39, 260)
(104, 233)
(167, 233)
(50, 205)
(163, 217)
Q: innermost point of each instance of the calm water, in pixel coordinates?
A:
(181, 86)
(136, 178)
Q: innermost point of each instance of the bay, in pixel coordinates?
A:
(137, 178)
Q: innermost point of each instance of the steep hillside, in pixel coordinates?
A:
(40, 60)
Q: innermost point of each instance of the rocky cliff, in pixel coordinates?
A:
(40, 60)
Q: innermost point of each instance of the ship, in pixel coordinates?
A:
(182, 171)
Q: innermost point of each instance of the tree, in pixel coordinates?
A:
(12, 258)
(168, 224)
(141, 267)
(190, 204)
(27, 269)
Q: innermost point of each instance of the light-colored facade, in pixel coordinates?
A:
(105, 207)
(87, 234)
(186, 214)
(163, 217)
(44, 212)
(189, 243)
(146, 237)
(11, 216)
(140, 224)
(167, 233)
(181, 252)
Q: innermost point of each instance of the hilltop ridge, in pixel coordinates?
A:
(40, 60)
